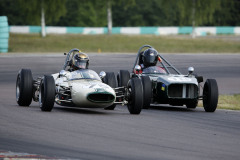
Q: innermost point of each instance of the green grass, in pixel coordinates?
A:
(231, 102)
(119, 43)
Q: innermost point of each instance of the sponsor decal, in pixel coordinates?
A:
(163, 87)
(95, 86)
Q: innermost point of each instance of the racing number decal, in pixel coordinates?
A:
(179, 79)
(94, 86)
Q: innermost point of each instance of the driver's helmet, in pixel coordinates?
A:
(80, 61)
(150, 57)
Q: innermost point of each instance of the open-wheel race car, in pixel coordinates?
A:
(75, 86)
(164, 84)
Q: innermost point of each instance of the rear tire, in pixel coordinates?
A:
(210, 95)
(123, 78)
(135, 100)
(24, 87)
(147, 91)
(110, 80)
(47, 93)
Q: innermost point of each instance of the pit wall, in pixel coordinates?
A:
(199, 31)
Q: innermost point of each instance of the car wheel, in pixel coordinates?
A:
(110, 80)
(123, 78)
(210, 95)
(192, 104)
(135, 99)
(47, 93)
(24, 87)
(147, 91)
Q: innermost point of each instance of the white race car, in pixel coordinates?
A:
(82, 88)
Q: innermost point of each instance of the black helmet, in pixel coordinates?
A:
(150, 57)
(80, 61)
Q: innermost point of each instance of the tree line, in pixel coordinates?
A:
(93, 13)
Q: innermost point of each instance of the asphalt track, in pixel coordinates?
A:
(161, 132)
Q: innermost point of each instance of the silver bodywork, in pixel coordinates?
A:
(85, 92)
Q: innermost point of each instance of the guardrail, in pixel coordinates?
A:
(4, 34)
(199, 31)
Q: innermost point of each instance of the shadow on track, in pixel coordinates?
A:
(173, 108)
(82, 110)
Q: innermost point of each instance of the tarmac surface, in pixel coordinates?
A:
(161, 132)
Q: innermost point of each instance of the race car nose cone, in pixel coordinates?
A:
(101, 98)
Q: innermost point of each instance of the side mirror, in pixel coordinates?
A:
(62, 73)
(102, 74)
(137, 68)
(190, 70)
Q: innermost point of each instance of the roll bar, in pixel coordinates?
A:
(169, 65)
(68, 57)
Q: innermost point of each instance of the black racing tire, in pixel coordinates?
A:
(123, 78)
(47, 93)
(147, 91)
(210, 95)
(192, 104)
(110, 80)
(135, 100)
(24, 87)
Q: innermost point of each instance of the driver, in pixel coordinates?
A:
(79, 61)
(148, 59)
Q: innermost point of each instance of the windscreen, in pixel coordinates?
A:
(84, 74)
(154, 70)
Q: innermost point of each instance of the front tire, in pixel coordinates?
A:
(135, 100)
(147, 91)
(110, 80)
(24, 87)
(210, 95)
(47, 93)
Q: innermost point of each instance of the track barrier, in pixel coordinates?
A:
(184, 30)
(4, 34)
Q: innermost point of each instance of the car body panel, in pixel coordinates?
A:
(85, 92)
(168, 88)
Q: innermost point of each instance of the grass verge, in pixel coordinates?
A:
(119, 43)
(230, 102)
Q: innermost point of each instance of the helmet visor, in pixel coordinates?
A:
(81, 64)
(152, 58)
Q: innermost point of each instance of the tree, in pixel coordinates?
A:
(227, 14)
(109, 3)
(93, 13)
(84, 13)
(109, 16)
(33, 10)
(8, 8)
